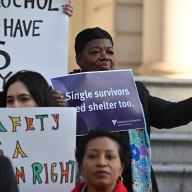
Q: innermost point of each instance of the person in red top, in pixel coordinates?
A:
(119, 187)
(102, 157)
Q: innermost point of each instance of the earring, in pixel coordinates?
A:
(121, 178)
(82, 178)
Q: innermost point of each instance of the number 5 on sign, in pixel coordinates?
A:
(5, 63)
(6, 57)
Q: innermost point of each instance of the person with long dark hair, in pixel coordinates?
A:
(27, 89)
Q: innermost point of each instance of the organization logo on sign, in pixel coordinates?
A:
(114, 122)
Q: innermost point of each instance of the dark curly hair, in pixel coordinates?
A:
(88, 35)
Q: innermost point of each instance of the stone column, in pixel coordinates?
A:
(167, 38)
(76, 24)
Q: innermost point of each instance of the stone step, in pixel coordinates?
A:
(174, 177)
(171, 148)
(171, 90)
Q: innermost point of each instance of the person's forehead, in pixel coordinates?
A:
(17, 88)
(104, 143)
(98, 43)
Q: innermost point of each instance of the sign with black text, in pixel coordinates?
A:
(33, 36)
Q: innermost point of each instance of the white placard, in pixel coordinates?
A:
(33, 36)
(40, 143)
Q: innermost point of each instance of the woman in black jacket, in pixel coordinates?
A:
(94, 52)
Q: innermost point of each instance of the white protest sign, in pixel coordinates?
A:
(33, 36)
(40, 143)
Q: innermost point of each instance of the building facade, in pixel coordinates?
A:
(152, 37)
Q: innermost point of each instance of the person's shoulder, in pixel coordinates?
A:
(140, 85)
(141, 88)
(7, 176)
(4, 161)
(3, 158)
(75, 71)
(5, 165)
